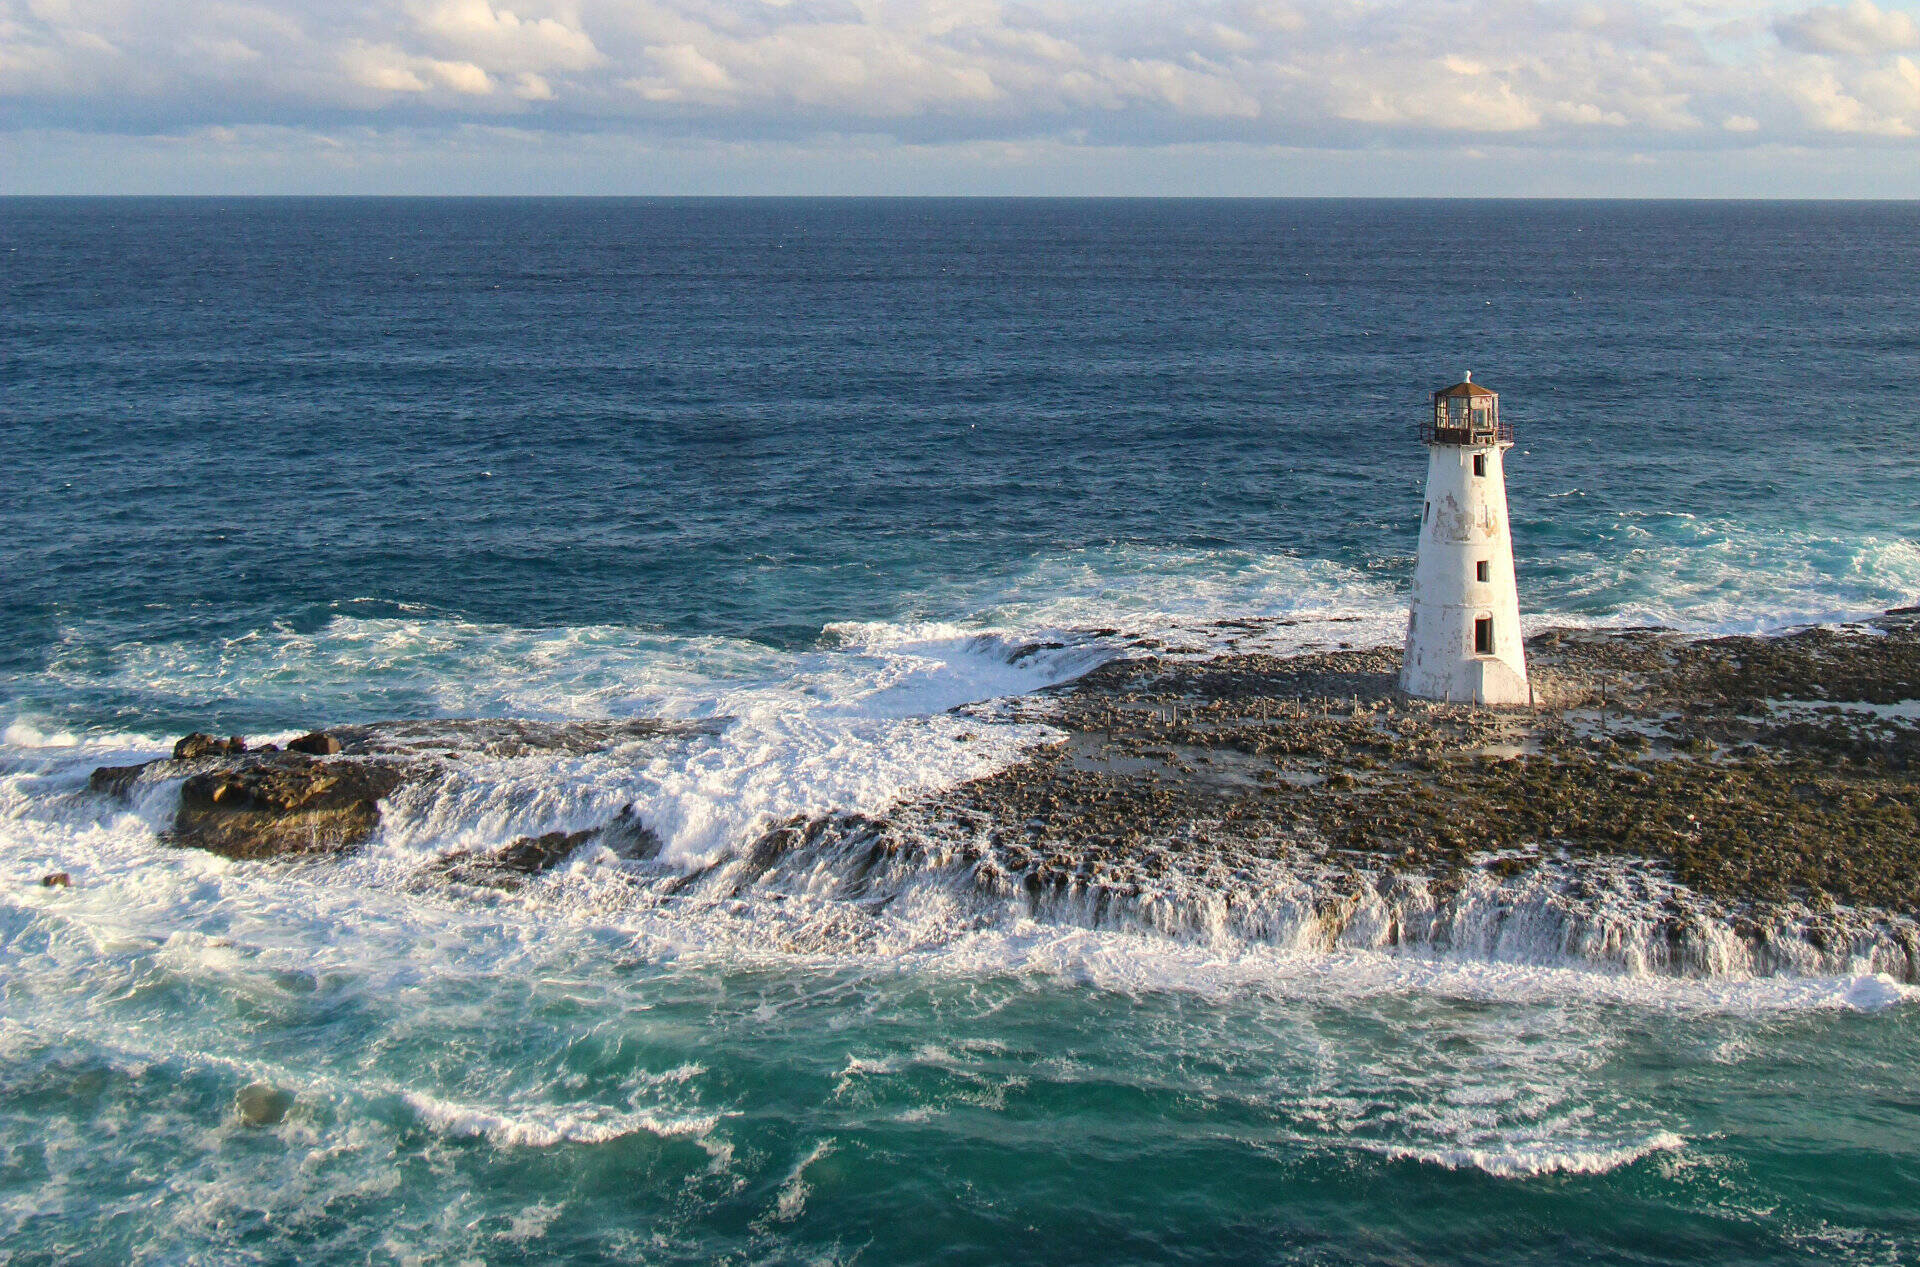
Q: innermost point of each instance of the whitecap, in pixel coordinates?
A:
(1532, 1160)
(546, 1126)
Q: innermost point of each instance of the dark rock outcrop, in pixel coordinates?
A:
(317, 744)
(511, 866)
(117, 780)
(283, 803)
(199, 744)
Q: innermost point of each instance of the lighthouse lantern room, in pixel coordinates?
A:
(1463, 625)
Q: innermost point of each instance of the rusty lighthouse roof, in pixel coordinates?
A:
(1465, 387)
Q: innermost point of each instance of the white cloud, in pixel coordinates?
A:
(1438, 96)
(221, 49)
(680, 71)
(1585, 113)
(462, 77)
(1314, 73)
(503, 40)
(1895, 89)
(386, 69)
(1830, 106)
(1859, 29)
(383, 69)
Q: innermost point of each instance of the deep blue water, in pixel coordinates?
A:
(274, 463)
(751, 418)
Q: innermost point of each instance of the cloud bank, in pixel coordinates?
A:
(1551, 80)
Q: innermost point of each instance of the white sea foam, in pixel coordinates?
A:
(852, 725)
(1699, 575)
(42, 738)
(854, 729)
(792, 1197)
(543, 1127)
(1717, 575)
(1459, 1090)
(1139, 963)
(1174, 597)
(1523, 1162)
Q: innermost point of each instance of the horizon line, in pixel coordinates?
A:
(963, 197)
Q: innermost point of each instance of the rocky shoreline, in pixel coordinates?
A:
(1727, 805)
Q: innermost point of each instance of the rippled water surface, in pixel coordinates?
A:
(815, 472)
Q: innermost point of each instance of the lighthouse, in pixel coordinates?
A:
(1463, 626)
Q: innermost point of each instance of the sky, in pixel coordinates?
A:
(1642, 98)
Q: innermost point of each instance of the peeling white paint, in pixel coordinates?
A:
(1464, 526)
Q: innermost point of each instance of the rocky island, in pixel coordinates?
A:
(1733, 805)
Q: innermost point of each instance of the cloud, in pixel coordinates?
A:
(1860, 29)
(1556, 75)
(681, 71)
(386, 69)
(502, 40)
(1830, 106)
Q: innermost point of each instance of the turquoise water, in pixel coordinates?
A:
(528, 1083)
(814, 472)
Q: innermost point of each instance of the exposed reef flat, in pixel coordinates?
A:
(1731, 805)
(1750, 767)
(1728, 805)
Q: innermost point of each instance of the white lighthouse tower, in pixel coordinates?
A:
(1463, 629)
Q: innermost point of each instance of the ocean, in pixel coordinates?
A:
(812, 473)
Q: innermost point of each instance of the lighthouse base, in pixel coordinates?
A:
(1462, 681)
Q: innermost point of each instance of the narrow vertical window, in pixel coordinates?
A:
(1483, 571)
(1483, 636)
(1426, 513)
(1479, 464)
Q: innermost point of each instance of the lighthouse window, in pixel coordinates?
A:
(1426, 513)
(1479, 464)
(1482, 571)
(1483, 636)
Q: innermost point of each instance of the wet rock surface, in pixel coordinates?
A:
(281, 804)
(511, 866)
